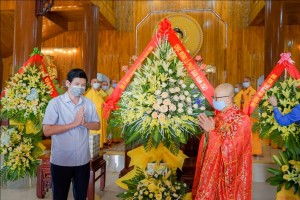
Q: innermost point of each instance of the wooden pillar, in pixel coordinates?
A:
(1, 73)
(27, 32)
(274, 33)
(90, 40)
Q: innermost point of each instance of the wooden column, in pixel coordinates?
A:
(1, 73)
(90, 40)
(27, 32)
(274, 33)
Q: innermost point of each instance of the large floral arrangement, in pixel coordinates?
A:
(161, 104)
(20, 153)
(159, 183)
(288, 173)
(288, 95)
(26, 96)
(23, 104)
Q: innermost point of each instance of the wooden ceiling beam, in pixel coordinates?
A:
(107, 15)
(57, 19)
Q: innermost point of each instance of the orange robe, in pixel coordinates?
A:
(238, 99)
(247, 96)
(224, 162)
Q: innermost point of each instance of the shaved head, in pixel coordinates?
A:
(224, 89)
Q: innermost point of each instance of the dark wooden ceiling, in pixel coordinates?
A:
(62, 17)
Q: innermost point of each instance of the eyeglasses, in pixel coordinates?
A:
(216, 98)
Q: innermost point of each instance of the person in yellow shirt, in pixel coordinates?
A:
(248, 93)
(238, 90)
(103, 89)
(94, 95)
(113, 85)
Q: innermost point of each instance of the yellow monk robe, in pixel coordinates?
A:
(97, 99)
(109, 91)
(238, 99)
(103, 119)
(247, 96)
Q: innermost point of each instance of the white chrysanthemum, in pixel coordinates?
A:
(159, 101)
(176, 98)
(202, 108)
(180, 105)
(154, 115)
(182, 97)
(170, 71)
(157, 92)
(195, 106)
(180, 110)
(164, 95)
(164, 85)
(172, 107)
(163, 109)
(161, 117)
(183, 85)
(190, 112)
(188, 100)
(172, 90)
(186, 93)
(177, 89)
(156, 106)
(192, 85)
(167, 102)
(180, 82)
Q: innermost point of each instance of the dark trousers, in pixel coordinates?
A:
(61, 179)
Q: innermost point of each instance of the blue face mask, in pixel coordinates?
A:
(246, 84)
(219, 105)
(114, 85)
(236, 90)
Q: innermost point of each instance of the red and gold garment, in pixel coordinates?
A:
(224, 163)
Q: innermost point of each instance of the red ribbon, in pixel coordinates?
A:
(270, 81)
(193, 70)
(37, 60)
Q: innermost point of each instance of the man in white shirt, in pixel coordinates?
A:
(68, 119)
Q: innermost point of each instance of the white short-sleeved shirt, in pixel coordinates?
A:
(70, 148)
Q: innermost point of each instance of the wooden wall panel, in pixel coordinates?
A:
(66, 61)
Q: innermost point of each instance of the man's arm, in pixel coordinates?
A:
(288, 119)
(57, 129)
(92, 125)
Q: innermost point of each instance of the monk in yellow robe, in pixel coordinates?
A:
(94, 95)
(113, 85)
(248, 93)
(238, 90)
(224, 162)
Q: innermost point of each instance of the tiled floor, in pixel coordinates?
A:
(261, 190)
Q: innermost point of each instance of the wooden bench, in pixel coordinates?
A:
(44, 176)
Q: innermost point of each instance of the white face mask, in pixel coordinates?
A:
(96, 85)
(77, 90)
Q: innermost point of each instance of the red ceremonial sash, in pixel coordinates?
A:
(284, 63)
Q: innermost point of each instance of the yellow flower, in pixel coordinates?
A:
(168, 198)
(158, 196)
(286, 177)
(264, 115)
(152, 187)
(293, 162)
(284, 168)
